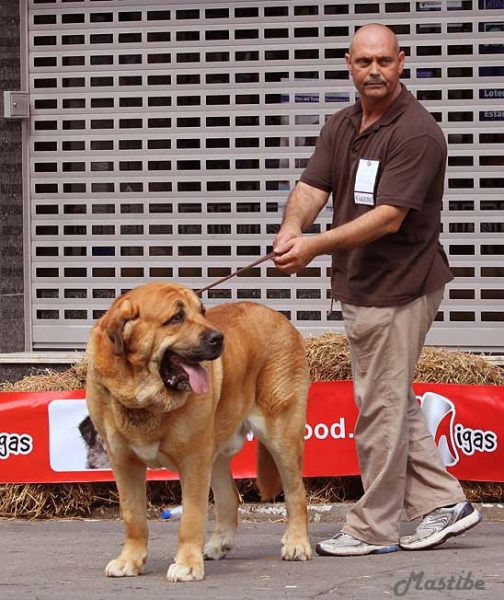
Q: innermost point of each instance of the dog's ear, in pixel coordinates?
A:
(117, 319)
(87, 431)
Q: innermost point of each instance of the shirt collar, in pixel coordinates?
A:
(393, 111)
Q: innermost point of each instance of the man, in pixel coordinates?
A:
(384, 161)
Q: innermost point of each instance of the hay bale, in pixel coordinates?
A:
(50, 380)
(329, 360)
(53, 501)
(443, 366)
(328, 357)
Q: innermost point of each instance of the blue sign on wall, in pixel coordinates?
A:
(306, 98)
(491, 93)
(337, 97)
(491, 115)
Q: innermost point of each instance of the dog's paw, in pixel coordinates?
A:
(218, 546)
(183, 572)
(300, 550)
(124, 568)
(216, 552)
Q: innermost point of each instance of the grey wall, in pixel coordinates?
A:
(11, 201)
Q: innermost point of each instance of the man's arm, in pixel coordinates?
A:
(303, 206)
(295, 253)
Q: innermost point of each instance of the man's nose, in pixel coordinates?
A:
(375, 67)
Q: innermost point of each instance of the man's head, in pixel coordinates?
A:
(375, 63)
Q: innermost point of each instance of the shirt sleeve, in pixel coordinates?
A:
(410, 171)
(318, 172)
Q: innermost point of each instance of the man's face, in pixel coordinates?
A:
(375, 64)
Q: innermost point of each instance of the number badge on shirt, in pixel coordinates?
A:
(365, 181)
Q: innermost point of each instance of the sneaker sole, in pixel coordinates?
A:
(355, 551)
(439, 538)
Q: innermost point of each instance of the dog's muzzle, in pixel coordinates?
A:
(182, 371)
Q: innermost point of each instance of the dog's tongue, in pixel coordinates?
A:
(197, 377)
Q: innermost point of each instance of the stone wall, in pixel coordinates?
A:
(12, 337)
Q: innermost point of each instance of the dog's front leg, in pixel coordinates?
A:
(130, 475)
(226, 503)
(195, 483)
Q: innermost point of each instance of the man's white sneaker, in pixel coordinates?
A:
(343, 544)
(441, 524)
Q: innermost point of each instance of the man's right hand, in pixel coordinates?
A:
(295, 253)
(286, 233)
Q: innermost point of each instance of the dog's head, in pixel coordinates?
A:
(96, 454)
(160, 330)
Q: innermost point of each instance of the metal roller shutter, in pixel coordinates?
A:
(164, 137)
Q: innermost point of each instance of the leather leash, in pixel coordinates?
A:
(216, 283)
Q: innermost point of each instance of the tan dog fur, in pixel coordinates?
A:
(259, 383)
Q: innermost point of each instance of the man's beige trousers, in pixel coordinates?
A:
(400, 465)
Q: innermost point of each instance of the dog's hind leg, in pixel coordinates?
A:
(130, 475)
(226, 504)
(285, 443)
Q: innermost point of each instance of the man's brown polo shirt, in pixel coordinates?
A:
(411, 152)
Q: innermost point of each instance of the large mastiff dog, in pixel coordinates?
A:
(170, 385)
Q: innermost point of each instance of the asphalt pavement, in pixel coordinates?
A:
(62, 560)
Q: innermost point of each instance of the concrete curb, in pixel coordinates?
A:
(336, 512)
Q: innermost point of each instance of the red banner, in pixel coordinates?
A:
(46, 438)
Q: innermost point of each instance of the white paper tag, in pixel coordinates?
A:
(363, 198)
(365, 181)
(366, 175)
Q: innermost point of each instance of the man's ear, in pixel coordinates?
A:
(114, 324)
(348, 60)
(402, 58)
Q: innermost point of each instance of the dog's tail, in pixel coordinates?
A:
(268, 477)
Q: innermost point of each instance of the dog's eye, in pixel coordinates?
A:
(177, 318)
